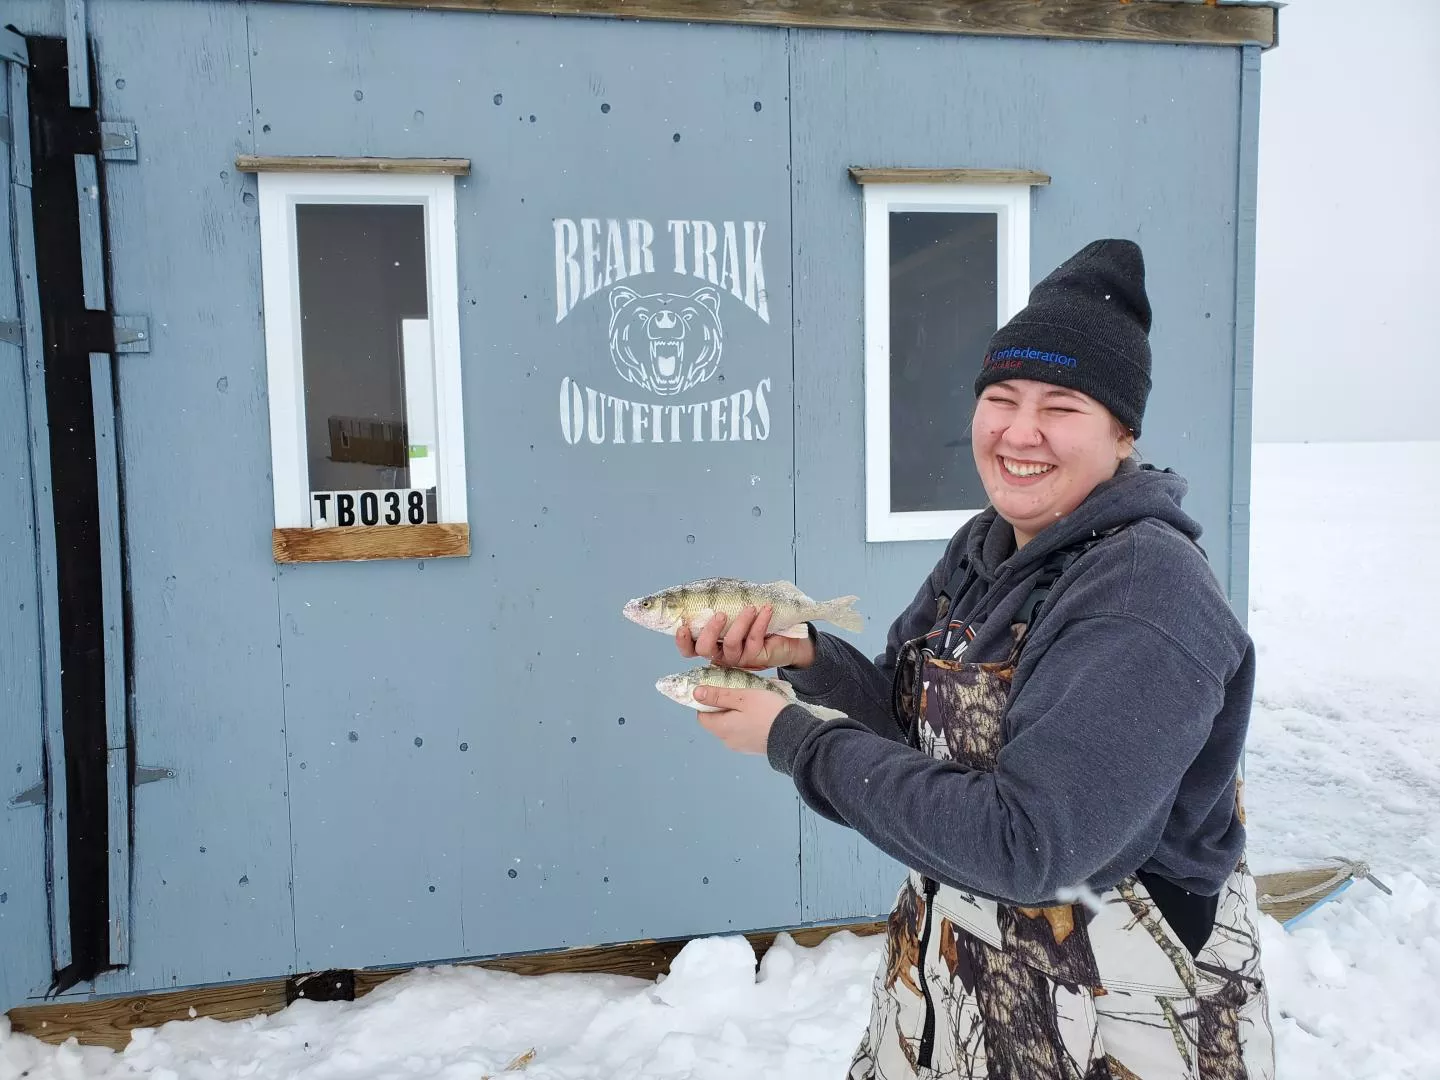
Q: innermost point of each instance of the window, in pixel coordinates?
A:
(945, 265)
(362, 344)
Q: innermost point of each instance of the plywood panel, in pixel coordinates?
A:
(524, 784)
(1139, 142)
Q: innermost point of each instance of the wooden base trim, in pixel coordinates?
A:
(948, 176)
(109, 1022)
(1173, 22)
(258, 163)
(365, 542)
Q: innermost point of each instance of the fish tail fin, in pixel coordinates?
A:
(820, 712)
(842, 613)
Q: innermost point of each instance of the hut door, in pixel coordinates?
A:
(68, 336)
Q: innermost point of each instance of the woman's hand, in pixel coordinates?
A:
(745, 718)
(747, 643)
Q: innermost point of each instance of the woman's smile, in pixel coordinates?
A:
(1022, 472)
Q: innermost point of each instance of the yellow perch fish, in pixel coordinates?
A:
(694, 603)
(680, 688)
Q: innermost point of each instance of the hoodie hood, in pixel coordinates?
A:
(1134, 493)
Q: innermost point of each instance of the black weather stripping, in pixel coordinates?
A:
(70, 333)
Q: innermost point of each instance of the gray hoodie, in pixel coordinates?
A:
(1124, 730)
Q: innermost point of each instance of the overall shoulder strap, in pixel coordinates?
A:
(1052, 570)
(955, 583)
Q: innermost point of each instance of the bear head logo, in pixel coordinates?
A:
(665, 342)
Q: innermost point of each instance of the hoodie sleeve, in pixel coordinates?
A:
(844, 678)
(1102, 733)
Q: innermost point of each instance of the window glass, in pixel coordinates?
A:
(369, 385)
(943, 304)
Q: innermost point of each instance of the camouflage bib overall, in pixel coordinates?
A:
(971, 989)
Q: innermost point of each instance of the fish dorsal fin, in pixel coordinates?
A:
(709, 583)
(789, 590)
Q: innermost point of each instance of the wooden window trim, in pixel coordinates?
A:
(410, 166)
(863, 175)
(293, 538)
(1158, 22)
(359, 543)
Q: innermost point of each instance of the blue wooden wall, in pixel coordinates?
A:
(398, 762)
(25, 946)
(1140, 142)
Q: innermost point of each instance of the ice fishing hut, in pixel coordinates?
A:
(361, 360)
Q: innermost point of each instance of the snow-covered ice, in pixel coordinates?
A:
(1355, 986)
(1344, 761)
(1344, 751)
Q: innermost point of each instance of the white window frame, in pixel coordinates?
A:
(1011, 204)
(279, 193)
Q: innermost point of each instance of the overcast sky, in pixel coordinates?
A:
(1347, 341)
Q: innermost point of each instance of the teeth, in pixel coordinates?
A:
(1016, 468)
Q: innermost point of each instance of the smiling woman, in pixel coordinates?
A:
(1065, 792)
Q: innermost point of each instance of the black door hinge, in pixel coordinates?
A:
(335, 985)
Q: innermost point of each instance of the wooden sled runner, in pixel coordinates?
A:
(1291, 895)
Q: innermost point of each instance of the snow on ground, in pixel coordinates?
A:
(711, 1018)
(1344, 751)
(1344, 761)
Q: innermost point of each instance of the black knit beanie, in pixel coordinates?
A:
(1087, 328)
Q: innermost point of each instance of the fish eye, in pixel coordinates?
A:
(647, 603)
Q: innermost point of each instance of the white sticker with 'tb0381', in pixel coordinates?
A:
(388, 506)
